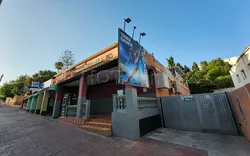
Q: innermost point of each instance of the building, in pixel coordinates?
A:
(119, 84)
(240, 71)
(231, 60)
(41, 101)
(122, 77)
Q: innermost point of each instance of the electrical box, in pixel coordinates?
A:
(161, 80)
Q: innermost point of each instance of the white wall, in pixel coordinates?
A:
(242, 64)
(231, 60)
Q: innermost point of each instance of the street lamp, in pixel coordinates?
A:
(141, 34)
(127, 20)
(133, 32)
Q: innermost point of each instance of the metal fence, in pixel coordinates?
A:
(199, 112)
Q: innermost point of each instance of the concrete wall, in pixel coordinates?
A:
(17, 100)
(126, 122)
(241, 102)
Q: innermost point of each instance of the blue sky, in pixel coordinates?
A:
(34, 33)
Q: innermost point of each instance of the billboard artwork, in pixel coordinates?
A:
(132, 63)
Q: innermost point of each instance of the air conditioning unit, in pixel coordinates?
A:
(161, 80)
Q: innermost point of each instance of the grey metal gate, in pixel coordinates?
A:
(199, 112)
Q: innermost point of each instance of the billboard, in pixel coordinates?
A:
(132, 63)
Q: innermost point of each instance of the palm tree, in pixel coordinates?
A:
(58, 65)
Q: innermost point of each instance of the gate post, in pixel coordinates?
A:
(125, 123)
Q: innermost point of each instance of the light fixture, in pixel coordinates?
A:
(141, 34)
(126, 20)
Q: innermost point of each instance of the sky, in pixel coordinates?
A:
(33, 33)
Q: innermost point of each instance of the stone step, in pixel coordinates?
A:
(100, 120)
(96, 130)
(98, 124)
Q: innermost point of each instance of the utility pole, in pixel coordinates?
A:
(1, 77)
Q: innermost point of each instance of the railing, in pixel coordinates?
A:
(86, 109)
(71, 110)
(146, 103)
(143, 103)
(119, 103)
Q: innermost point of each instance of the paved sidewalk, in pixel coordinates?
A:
(26, 134)
(215, 144)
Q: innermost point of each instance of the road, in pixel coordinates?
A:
(27, 134)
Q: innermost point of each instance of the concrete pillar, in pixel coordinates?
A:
(33, 103)
(58, 103)
(131, 97)
(126, 124)
(81, 97)
(44, 103)
(39, 103)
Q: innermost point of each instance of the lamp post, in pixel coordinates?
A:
(141, 34)
(127, 20)
(133, 32)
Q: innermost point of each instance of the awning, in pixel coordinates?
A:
(36, 94)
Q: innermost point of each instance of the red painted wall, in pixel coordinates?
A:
(103, 91)
(241, 97)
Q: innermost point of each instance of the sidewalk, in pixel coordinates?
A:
(28, 134)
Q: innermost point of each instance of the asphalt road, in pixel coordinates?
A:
(27, 134)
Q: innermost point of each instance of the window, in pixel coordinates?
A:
(238, 78)
(243, 74)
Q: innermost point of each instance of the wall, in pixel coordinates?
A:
(133, 121)
(241, 101)
(149, 92)
(100, 97)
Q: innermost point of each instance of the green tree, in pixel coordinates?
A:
(6, 89)
(67, 58)
(186, 69)
(224, 82)
(58, 65)
(212, 75)
(179, 65)
(171, 62)
(203, 65)
(43, 75)
(20, 85)
(195, 67)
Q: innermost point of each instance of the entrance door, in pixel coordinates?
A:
(208, 112)
(51, 102)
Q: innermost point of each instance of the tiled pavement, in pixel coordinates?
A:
(23, 133)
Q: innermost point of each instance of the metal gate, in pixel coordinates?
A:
(199, 112)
